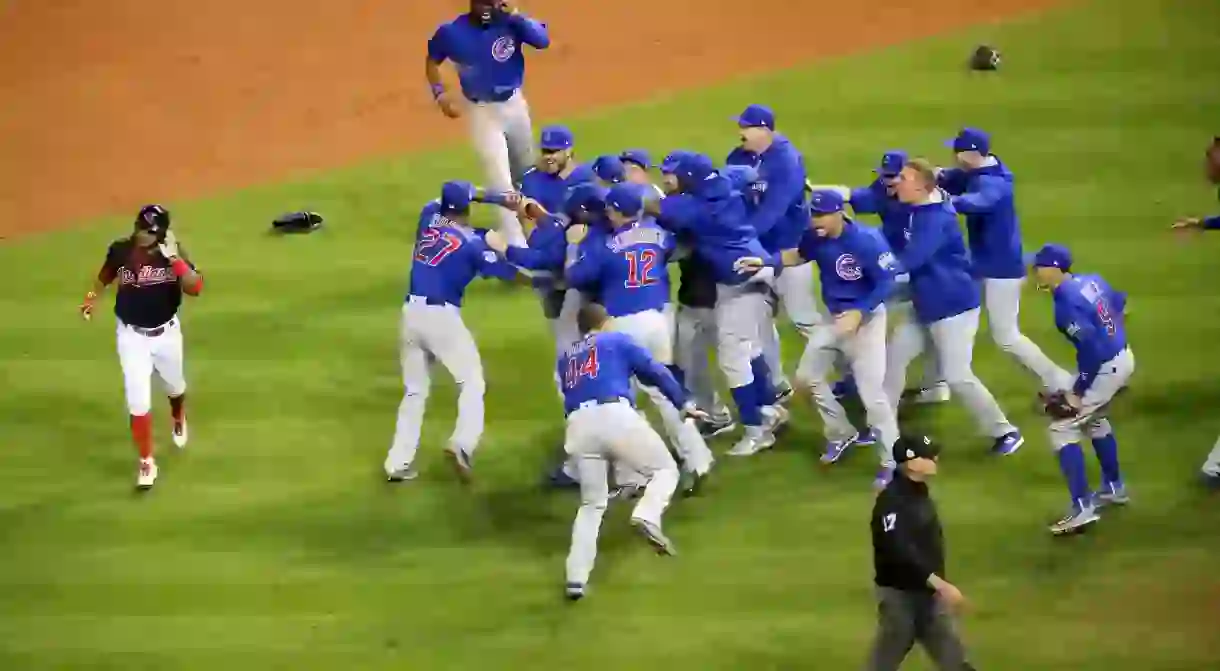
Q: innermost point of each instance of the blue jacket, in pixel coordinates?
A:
(939, 267)
(985, 196)
(894, 214)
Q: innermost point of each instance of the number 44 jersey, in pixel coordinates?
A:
(598, 369)
(448, 256)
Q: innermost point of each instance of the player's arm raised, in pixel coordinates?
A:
(952, 180)
(582, 263)
(529, 31)
(991, 190)
(651, 373)
(190, 279)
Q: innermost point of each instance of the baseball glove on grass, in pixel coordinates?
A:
(1056, 405)
(985, 58)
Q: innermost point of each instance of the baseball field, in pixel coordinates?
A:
(272, 542)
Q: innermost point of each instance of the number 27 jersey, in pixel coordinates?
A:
(448, 256)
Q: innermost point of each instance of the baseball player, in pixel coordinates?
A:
(448, 255)
(695, 322)
(982, 190)
(1090, 314)
(636, 164)
(153, 272)
(486, 44)
(708, 208)
(946, 301)
(609, 170)
(878, 198)
(857, 270)
(628, 269)
(603, 425)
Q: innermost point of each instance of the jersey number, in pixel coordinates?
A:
(640, 265)
(434, 246)
(578, 369)
(888, 522)
(1107, 320)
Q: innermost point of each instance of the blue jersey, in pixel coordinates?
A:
(1090, 314)
(552, 191)
(985, 196)
(626, 268)
(782, 215)
(545, 251)
(857, 268)
(894, 214)
(939, 267)
(448, 256)
(489, 59)
(599, 368)
(716, 218)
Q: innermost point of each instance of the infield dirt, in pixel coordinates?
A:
(107, 105)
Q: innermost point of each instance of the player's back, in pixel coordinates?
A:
(1090, 313)
(597, 369)
(635, 272)
(447, 257)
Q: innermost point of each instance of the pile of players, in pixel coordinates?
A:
(748, 238)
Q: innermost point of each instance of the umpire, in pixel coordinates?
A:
(914, 601)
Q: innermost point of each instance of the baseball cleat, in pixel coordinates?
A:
(461, 463)
(1111, 494)
(402, 474)
(937, 393)
(835, 449)
(652, 534)
(146, 476)
(179, 433)
(574, 591)
(710, 428)
(1008, 443)
(844, 388)
(868, 438)
(559, 479)
(1081, 515)
(885, 475)
(753, 442)
(784, 393)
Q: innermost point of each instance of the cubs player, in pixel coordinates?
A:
(628, 269)
(153, 272)
(708, 208)
(695, 322)
(636, 164)
(448, 255)
(609, 170)
(878, 198)
(597, 373)
(857, 271)
(1090, 314)
(982, 190)
(486, 46)
(946, 301)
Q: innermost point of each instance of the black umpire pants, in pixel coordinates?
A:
(906, 617)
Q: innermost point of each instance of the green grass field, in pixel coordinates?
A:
(272, 543)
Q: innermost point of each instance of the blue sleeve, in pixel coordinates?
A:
(530, 31)
(1212, 222)
(953, 180)
(541, 253)
(526, 257)
(652, 374)
(990, 191)
(807, 247)
(880, 268)
(864, 201)
(782, 190)
(438, 46)
(671, 244)
(678, 213)
(926, 238)
(491, 265)
(583, 266)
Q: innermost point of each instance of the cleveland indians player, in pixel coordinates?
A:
(486, 45)
(857, 272)
(448, 255)
(153, 273)
(603, 426)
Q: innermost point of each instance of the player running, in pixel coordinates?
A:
(1090, 314)
(153, 272)
(603, 425)
(449, 254)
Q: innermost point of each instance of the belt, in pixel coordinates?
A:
(154, 332)
(604, 400)
(426, 300)
(492, 98)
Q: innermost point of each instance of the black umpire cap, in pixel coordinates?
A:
(915, 447)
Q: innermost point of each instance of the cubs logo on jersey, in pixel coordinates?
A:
(503, 48)
(848, 268)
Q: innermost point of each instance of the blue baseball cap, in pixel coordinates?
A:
(609, 169)
(826, 201)
(693, 169)
(585, 198)
(1053, 256)
(636, 156)
(740, 176)
(669, 164)
(556, 138)
(891, 163)
(971, 139)
(625, 198)
(755, 116)
(456, 196)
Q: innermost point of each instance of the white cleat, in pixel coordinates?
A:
(937, 393)
(179, 434)
(753, 443)
(1081, 515)
(774, 418)
(146, 476)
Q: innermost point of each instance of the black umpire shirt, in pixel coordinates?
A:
(908, 545)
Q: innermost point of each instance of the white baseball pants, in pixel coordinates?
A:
(140, 356)
(742, 314)
(1211, 465)
(903, 311)
(1094, 404)
(1002, 298)
(614, 432)
(431, 333)
(695, 338)
(504, 141)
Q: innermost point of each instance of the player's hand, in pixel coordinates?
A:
(169, 246)
(496, 241)
(950, 596)
(508, 7)
(846, 323)
(691, 411)
(531, 209)
(1074, 401)
(86, 307)
(748, 264)
(448, 105)
(1188, 222)
(576, 234)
